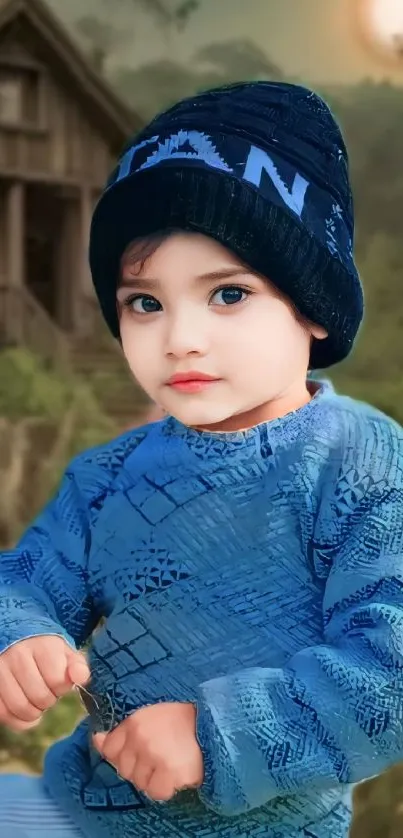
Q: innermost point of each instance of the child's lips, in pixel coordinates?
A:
(192, 381)
(193, 385)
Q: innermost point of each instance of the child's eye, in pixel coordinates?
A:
(230, 295)
(143, 304)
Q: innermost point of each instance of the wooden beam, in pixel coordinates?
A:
(15, 223)
(84, 291)
(86, 209)
(15, 262)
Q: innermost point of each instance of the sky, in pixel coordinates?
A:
(317, 40)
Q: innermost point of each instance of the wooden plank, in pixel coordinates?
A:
(15, 199)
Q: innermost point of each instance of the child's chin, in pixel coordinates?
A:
(198, 418)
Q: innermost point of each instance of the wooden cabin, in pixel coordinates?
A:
(61, 130)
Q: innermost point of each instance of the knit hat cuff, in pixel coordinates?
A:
(269, 238)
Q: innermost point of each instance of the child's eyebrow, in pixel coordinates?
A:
(151, 282)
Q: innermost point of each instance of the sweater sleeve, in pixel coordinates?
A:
(43, 581)
(334, 713)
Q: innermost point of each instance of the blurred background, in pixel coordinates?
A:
(77, 77)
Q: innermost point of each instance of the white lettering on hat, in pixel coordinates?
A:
(125, 167)
(258, 162)
(187, 145)
(195, 145)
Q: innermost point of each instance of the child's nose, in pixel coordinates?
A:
(187, 334)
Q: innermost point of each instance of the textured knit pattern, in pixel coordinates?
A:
(258, 573)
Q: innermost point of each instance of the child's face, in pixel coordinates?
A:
(193, 307)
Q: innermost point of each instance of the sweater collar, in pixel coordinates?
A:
(259, 440)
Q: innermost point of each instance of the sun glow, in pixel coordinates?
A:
(386, 19)
(382, 22)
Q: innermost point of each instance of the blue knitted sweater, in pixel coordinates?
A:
(258, 573)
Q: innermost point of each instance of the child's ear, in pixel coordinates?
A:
(318, 332)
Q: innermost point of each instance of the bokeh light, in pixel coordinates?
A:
(381, 23)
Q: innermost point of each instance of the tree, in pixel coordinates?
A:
(154, 86)
(158, 84)
(237, 60)
(373, 373)
(168, 14)
(99, 39)
(372, 119)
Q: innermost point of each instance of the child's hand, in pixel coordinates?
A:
(156, 749)
(34, 674)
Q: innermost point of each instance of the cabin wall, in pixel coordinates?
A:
(48, 145)
(45, 131)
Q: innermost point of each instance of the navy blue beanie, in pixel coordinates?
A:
(262, 168)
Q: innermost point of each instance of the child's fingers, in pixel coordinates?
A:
(111, 745)
(78, 670)
(15, 701)
(52, 664)
(34, 673)
(161, 786)
(126, 766)
(33, 684)
(10, 721)
(98, 741)
(141, 772)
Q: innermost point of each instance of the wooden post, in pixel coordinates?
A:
(15, 224)
(65, 272)
(16, 235)
(86, 288)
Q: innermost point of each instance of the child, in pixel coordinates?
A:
(245, 551)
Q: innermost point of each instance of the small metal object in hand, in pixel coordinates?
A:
(99, 708)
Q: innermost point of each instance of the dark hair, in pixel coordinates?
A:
(147, 246)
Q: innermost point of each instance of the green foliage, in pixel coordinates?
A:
(159, 84)
(29, 389)
(46, 419)
(29, 749)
